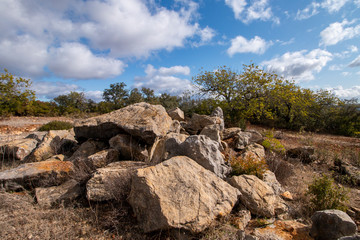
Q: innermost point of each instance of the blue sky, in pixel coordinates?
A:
(78, 45)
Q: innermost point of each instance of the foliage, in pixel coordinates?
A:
(324, 194)
(116, 94)
(71, 103)
(272, 144)
(250, 165)
(56, 125)
(15, 95)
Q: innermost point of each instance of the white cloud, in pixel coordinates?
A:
(333, 5)
(50, 90)
(312, 9)
(257, 10)
(309, 11)
(115, 28)
(337, 32)
(353, 48)
(242, 45)
(94, 95)
(206, 35)
(355, 62)
(300, 65)
(346, 93)
(165, 79)
(74, 60)
(23, 55)
(336, 67)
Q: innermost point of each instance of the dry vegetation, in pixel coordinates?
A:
(22, 218)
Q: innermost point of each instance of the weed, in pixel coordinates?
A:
(249, 164)
(324, 194)
(56, 125)
(274, 145)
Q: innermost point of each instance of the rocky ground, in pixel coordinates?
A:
(27, 213)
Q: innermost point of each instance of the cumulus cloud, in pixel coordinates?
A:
(337, 32)
(49, 90)
(74, 60)
(94, 95)
(313, 8)
(346, 93)
(242, 45)
(165, 79)
(35, 31)
(256, 10)
(355, 62)
(206, 35)
(300, 65)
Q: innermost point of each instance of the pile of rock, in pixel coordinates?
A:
(173, 173)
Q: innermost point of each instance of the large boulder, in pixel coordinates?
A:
(141, 120)
(198, 122)
(88, 148)
(37, 174)
(257, 196)
(63, 194)
(207, 153)
(212, 132)
(218, 112)
(52, 144)
(179, 193)
(18, 149)
(166, 147)
(331, 225)
(112, 182)
(254, 150)
(230, 132)
(270, 179)
(177, 114)
(130, 148)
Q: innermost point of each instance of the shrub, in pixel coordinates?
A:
(274, 145)
(324, 194)
(249, 164)
(56, 125)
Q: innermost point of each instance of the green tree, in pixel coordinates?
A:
(135, 97)
(149, 95)
(15, 94)
(116, 94)
(74, 102)
(168, 101)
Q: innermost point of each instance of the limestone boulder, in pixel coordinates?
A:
(18, 149)
(218, 112)
(166, 147)
(141, 120)
(112, 182)
(37, 174)
(85, 166)
(52, 144)
(88, 148)
(331, 225)
(254, 150)
(207, 153)
(230, 132)
(177, 114)
(179, 193)
(198, 122)
(62, 194)
(257, 196)
(242, 139)
(255, 136)
(212, 132)
(130, 148)
(270, 179)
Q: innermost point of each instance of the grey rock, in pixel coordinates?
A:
(218, 112)
(63, 194)
(212, 132)
(141, 120)
(198, 122)
(270, 178)
(179, 193)
(88, 148)
(230, 132)
(242, 140)
(205, 152)
(331, 225)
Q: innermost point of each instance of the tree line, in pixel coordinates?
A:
(253, 95)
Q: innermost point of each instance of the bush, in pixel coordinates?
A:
(249, 164)
(274, 145)
(324, 194)
(56, 125)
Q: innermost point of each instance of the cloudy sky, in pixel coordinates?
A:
(86, 45)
